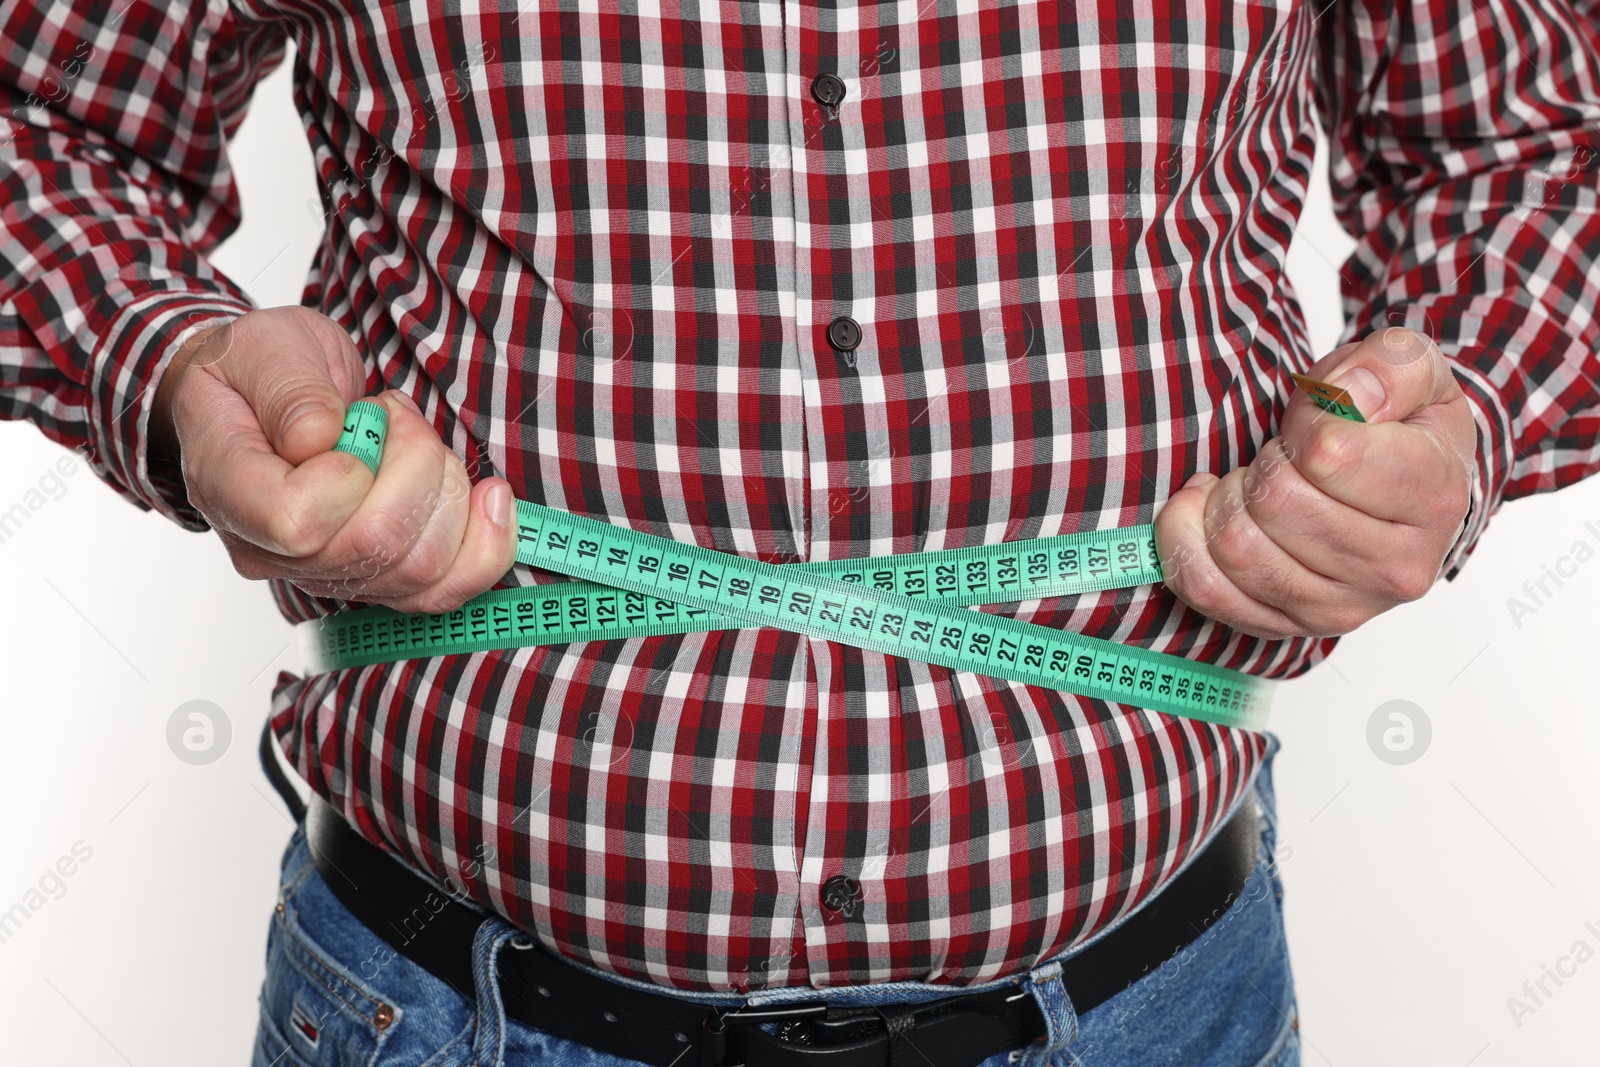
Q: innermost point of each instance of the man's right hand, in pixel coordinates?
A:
(253, 408)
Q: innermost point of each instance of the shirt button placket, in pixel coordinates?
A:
(836, 295)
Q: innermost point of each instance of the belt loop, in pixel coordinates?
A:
(1060, 1018)
(1266, 795)
(901, 1023)
(489, 1043)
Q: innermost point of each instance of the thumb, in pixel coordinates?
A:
(285, 370)
(1391, 374)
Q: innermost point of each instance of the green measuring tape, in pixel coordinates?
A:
(913, 605)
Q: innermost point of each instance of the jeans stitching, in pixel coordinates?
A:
(1284, 1041)
(312, 961)
(1290, 1051)
(446, 1053)
(292, 883)
(268, 1028)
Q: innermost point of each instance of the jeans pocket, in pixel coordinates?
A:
(272, 1048)
(315, 1012)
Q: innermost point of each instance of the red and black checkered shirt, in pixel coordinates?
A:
(602, 245)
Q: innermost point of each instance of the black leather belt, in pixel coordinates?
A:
(541, 990)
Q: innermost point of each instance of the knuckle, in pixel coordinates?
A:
(1236, 542)
(362, 573)
(277, 396)
(1404, 583)
(1257, 481)
(1269, 505)
(1331, 451)
(1201, 584)
(427, 562)
(297, 530)
(375, 540)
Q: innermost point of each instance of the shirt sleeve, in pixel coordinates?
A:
(1464, 137)
(114, 184)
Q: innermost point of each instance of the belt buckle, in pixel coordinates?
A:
(819, 1027)
(714, 1048)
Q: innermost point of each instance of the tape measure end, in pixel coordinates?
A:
(366, 425)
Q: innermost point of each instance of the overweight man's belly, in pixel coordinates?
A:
(749, 808)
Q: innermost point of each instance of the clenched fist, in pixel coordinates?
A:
(1333, 522)
(252, 410)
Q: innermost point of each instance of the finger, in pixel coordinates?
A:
(1195, 577)
(303, 372)
(434, 529)
(394, 516)
(1269, 573)
(1401, 472)
(1324, 534)
(469, 544)
(1391, 374)
(243, 486)
(487, 550)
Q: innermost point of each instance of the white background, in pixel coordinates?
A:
(1419, 897)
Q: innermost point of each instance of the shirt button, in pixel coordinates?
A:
(841, 893)
(827, 90)
(844, 334)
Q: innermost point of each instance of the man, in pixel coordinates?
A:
(805, 282)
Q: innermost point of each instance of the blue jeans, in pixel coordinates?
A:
(337, 995)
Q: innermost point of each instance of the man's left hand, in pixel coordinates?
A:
(1333, 522)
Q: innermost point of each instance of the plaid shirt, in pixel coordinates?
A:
(602, 249)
